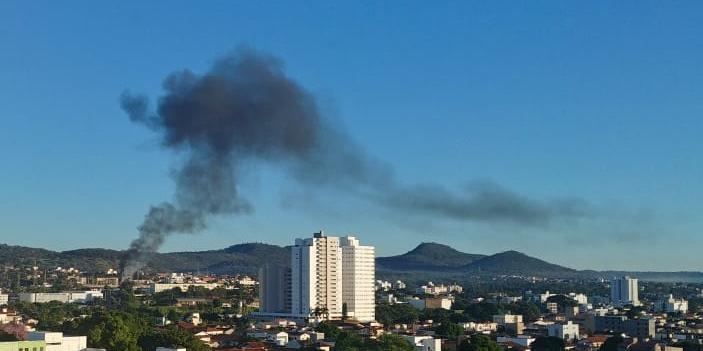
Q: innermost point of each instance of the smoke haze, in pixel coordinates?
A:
(246, 109)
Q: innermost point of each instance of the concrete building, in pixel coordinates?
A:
(65, 297)
(316, 277)
(431, 303)
(56, 341)
(275, 289)
(22, 345)
(597, 323)
(327, 276)
(424, 342)
(668, 305)
(512, 323)
(624, 291)
(643, 328)
(358, 274)
(159, 287)
(522, 340)
(331, 274)
(567, 331)
(552, 307)
(4, 299)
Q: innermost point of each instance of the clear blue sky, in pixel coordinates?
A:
(600, 100)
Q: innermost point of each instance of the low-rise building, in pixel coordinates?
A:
(65, 297)
(522, 340)
(566, 331)
(431, 303)
(159, 287)
(424, 342)
(22, 345)
(56, 341)
(512, 323)
(671, 305)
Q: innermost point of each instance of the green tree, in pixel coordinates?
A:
(528, 310)
(482, 311)
(449, 330)
(331, 331)
(562, 301)
(111, 330)
(171, 337)
(173, 315)
(478, 342)
(611, 344)
(7, 336)
(548, 343)
(396, 313)
(348, 341)
(392, 342)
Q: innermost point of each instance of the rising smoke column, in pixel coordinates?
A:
(246, 109)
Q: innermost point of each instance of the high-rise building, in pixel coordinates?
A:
(316, 277)
(624, 291)
(330, 278)
(275, 289)
(358, 273)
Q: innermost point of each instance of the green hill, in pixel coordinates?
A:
(428, 257)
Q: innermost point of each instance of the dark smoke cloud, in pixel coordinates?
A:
(246, 109)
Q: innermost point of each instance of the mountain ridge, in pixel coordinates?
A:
(427, 258)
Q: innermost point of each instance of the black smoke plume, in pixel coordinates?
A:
(246, 109)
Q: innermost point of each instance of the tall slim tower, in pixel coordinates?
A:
(624, 291)
(316, 277)
(358, 275)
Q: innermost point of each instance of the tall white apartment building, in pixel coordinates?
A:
(358, 273)
(330, 275)
(624, 291)
(316, 277)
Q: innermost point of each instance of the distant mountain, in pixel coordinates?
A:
(433, 257)
(428, 257)
(427, 260)
(514, 262)
(242, 258)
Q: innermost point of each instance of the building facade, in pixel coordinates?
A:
(624, 291)
(358, 273)
(316, 277)
(328, 278)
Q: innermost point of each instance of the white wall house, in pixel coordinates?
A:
(56, 341)
(567, 331)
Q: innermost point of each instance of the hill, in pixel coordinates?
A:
(514, 262)
(428, 257)
(425, 262)
(242, 258)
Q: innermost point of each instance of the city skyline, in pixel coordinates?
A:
(593, 109)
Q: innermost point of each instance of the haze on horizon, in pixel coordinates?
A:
(547, 105)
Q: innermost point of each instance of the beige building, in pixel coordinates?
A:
(331, 275)
(316, 277)
(358, 274)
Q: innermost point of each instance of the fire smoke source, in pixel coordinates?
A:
(246, 108)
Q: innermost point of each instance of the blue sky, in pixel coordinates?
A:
(596, 100)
